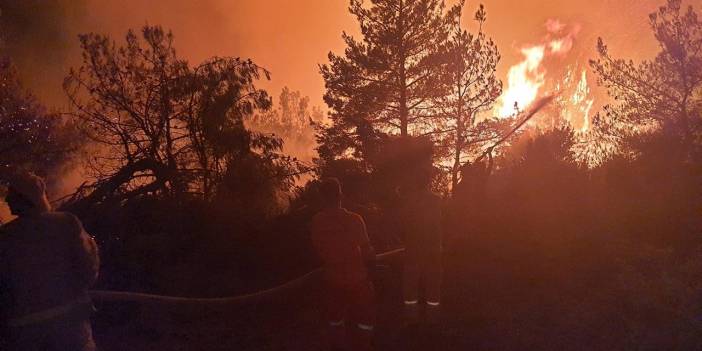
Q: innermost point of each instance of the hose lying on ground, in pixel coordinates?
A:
(295, 284)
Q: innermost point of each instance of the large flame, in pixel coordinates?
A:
(526, 79)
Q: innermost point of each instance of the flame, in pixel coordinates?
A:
(575, 101)
(561, 46)
(526, 79)
(581, 101)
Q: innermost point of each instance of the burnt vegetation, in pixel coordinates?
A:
(201, 184)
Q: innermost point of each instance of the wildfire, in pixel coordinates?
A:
(581, 101)
(524, 81)
(527, 79)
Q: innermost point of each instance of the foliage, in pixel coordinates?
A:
(540, 252)
(30, 137)
(660, 94)
(428, 77)
(174, 129)
(473, 88)
(385, 83)
(565, 257)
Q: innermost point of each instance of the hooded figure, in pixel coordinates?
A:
(47, 263)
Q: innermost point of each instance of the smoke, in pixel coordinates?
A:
(41, 36)
(289, 38)
(37, 36)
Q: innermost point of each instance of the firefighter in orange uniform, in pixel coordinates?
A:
(421, 222)
(339, 237)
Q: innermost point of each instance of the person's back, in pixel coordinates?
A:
(338, 236)
(422, 230)
(340, 239)
(422, 223)
(47, 263)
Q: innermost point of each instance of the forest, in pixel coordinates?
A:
(197, 182)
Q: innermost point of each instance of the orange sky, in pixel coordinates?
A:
(291, 37)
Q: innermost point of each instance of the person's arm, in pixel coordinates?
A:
(86, 257)
(367, 249)
(437, 224)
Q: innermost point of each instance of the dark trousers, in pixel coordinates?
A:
(422, 274)
(422, 277)
(57, 335)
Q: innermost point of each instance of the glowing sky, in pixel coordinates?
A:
(291, 37)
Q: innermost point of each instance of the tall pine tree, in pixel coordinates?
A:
(473, 87)
(386, 82)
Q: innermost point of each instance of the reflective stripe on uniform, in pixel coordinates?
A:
(432, 303)
(366, 327)
(411, 302)
(336, 323)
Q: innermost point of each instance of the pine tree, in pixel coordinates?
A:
(386, 83)
(661, 94)
(473, 87)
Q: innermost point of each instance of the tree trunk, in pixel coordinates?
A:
(458, 147)
(460, 127)
(404, 113)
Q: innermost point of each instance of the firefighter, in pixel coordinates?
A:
(47, 263)
(421, 219)
(339, 237)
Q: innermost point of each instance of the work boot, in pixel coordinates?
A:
(337, 336)
(433, 313)
(362, 338)
(412, 313)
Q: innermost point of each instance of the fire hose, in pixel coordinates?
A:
(295, 284)
(536, 107)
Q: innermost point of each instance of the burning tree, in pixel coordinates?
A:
(162, 126)
(386, 82)
(663, 94)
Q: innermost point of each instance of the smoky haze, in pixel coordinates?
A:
(40, 37)
(290, 38)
